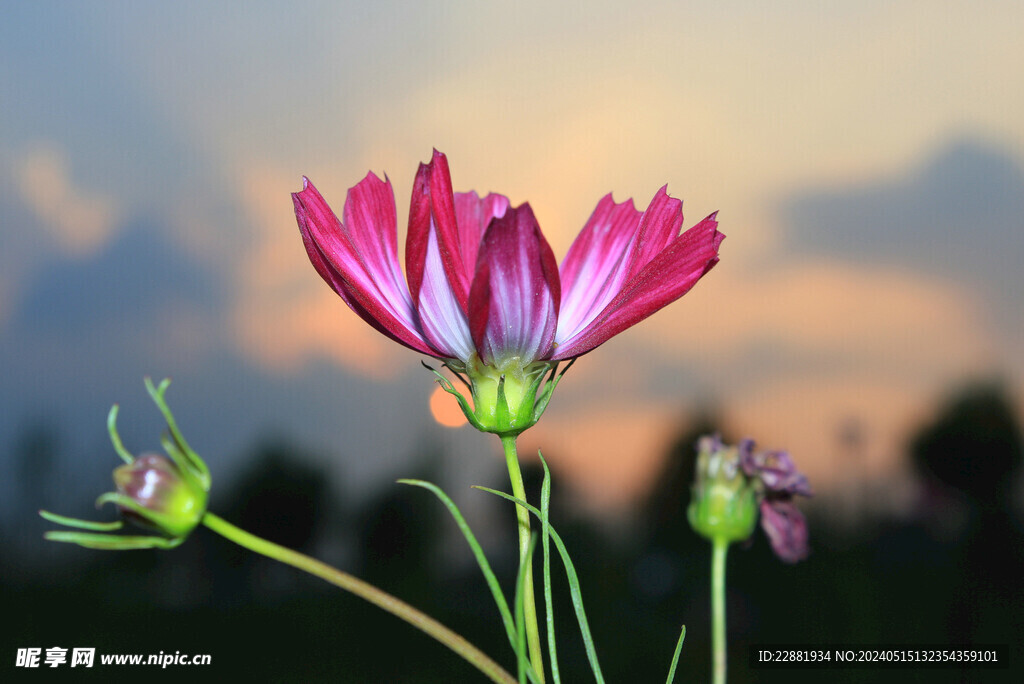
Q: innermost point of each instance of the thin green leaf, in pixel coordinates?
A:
(574, 583)
(545, 529)
(675, 656)
(485, 568)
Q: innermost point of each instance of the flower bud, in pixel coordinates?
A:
(164, 500)
(724, 504)
(165, 494)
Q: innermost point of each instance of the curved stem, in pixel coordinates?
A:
(366, 591)
(508, 442)
(720, 548)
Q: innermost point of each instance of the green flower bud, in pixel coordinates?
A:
(725, 502)
(165, 494)
(152, 492)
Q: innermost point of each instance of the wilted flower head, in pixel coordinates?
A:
(724, 503)
(733, 483)
(483, 291)
(779, 481)
(165, 494)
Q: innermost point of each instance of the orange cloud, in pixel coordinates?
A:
(284, 315)
(80, 221)
(609, 454)
(863, 315)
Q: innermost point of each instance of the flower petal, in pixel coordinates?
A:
(659, 225)
(596, 266)
(443, 321)
(444, 236)
(786, 528)
(513, 303)
(660, 281)
(433, 209)
(776, 470)
(474, 215)
(359, 258)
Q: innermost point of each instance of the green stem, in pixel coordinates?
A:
(508, 442)
(720, 548)
(370, 593)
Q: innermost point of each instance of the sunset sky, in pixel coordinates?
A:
(867, 161)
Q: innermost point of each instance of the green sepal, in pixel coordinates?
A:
(448, 387)
(81, 524)
(492, 409)
(113, 542)
(184, 457)
(549, 389)
(115, 438)
(502, 415)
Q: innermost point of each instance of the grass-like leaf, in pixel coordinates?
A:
(545, 529)
(675, 656)
(574, 582)
(517, 645)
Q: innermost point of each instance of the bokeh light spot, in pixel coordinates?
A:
(445, 409)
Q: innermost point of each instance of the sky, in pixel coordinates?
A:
(866, 160)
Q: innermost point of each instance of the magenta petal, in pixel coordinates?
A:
(442, 319)
(441, 251)
(359, 258)
(666, 278)
(473, 216)
(595, 267)
(513, 303)
(418, 237)
(659, 226)
(786, 528)
(433, 209)
(776, 470)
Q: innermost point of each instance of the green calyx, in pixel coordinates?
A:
(166, 494)
(506, 400)
(724, 506)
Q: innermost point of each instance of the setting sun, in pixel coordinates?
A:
(445, 409)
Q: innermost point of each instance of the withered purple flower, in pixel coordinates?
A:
(769, 478)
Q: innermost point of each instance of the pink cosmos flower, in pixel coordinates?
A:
(482, 289)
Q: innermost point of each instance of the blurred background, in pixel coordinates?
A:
(867, 160)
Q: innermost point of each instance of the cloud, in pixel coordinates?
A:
(140, 305)
(821, 314)
(608, 453)
(958, 215)
(284, 315)
(81, 222)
